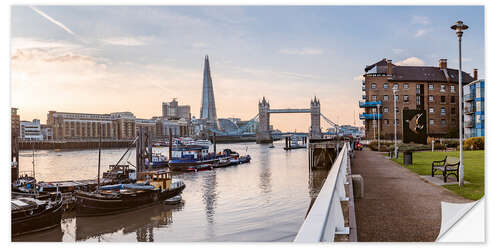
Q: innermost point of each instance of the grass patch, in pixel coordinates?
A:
(473, 169)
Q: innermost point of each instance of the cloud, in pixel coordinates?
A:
(398, 51)
(411, 61)
(420, 20)
(359, 78)
(199, 45)
(420, 32)
(54, 21)
(301, 51)
(125, 41)
(31, 43)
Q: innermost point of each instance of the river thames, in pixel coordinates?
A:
(264, 200)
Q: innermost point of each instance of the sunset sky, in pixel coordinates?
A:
(110, 59)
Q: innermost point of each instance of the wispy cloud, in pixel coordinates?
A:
(420, 32)
(411, 61)
(301, 51)
(54, 21)
(125, 41)
(420, 20)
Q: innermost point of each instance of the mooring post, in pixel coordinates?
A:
(215, 143)
(150, 148)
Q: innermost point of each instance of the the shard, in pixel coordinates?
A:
(207, 99)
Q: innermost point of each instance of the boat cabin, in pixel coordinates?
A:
(190, 152)
(158, 179)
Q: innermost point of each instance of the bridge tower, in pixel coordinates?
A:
(263, 130)
(315, 119)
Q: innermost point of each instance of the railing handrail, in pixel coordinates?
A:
(325, 218)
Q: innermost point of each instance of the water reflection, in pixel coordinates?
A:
(141, 221)
(265, 172)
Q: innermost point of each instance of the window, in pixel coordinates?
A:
(443, 88)
(431, 110)
(443, 111)
(418, 100)
(431, 122)
(405, 86)
(386, 85)
(453, 121)
(396, 86)
(453, 111)
(405, 98)
(396, 97)
(443, 122)
(452, 99)
(431, 98)
(397, 121)
(386, 121)
(431, 86)
(374, 85)
(443, 99)
(374, 97)
(397, 109)
(386, 109)
(452, 89)
(386, 98)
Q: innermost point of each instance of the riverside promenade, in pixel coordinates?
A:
(397, 205)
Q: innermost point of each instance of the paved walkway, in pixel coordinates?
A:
(397, 205)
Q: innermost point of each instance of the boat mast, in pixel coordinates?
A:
(99, 159)
(33, 160)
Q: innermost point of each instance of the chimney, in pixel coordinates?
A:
(443, 64)
(389, 67)
(475, 74)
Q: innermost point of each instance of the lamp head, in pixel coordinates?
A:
(459, 27)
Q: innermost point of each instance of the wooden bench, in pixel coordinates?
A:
(448, 166)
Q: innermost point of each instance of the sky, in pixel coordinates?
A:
(103, 59)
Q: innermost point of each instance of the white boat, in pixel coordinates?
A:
(174, 200)
(202, 143)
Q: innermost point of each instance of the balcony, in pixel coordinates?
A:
(372, 104)
(363, 82)
(468, 97)
(370, 116)
(363, 88)
(469, 124)
(468, 110)
(364, 97)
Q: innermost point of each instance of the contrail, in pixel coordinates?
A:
(52, 20)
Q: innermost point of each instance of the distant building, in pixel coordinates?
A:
(15, 122)
(173, 111)
(433, 89)
(207, 110)
(46, 132)
(474, 108)
(30, 130)
(179, 128)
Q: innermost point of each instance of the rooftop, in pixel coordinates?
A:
(418, 73)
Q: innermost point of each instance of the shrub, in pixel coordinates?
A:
(439, 146)
(474, 143)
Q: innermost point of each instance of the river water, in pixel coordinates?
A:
(264, 200)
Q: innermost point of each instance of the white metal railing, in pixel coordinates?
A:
(325, 218)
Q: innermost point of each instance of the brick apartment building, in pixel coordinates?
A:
(433, 89)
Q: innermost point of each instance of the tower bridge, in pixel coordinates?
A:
(264, 128)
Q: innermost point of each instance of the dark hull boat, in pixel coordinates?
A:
(121, 198)
(32, 215)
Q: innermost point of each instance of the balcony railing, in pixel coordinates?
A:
(363, 88)
(469, 110)
(370, 116)
(372, 104)
(469, 124)
(364, 97)
(468, 97)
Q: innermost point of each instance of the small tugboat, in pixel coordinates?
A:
(159, 161)
(32, 215)
(223, 162)
(188, 156)
(151, 187)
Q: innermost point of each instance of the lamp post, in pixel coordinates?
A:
(378, 125)
(459, 27)
(394, 89)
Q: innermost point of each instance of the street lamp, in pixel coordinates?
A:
(378, 125)
(459, 27)
(394, 89)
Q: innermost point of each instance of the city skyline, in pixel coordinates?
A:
(134, 58)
